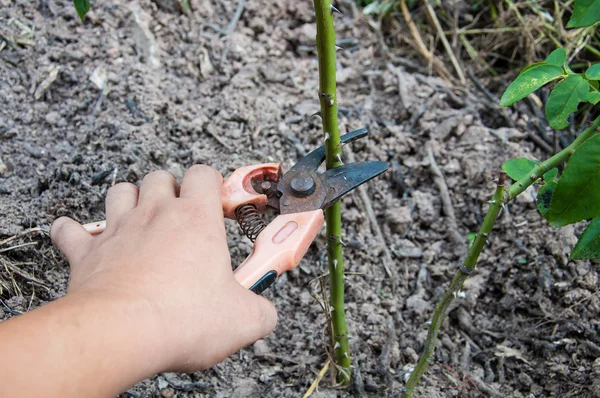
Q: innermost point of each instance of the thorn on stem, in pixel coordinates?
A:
(335, 9)
(339, 158)
(338, 48)
(317, 114)
(326, 136)
(337, 345)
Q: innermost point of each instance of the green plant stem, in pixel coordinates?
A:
(463, 273)
(552, 162)
(333, 216)
(470, 262)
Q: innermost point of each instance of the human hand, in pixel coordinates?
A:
(164, 257)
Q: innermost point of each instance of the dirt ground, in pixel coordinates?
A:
(186, 89)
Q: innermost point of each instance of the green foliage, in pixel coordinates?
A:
(82, 7)
(588, 246)
(585, 13)
(519, 167)
(557, 57)
(577, 194)
(567, 94)
(544, 198)
(564, 100)
(593, 72)
(530, 80)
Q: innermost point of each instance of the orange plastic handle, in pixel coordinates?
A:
(279, 248)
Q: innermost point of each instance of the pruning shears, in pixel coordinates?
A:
(299, 196)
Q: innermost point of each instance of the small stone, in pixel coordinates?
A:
(261, 348)
(399, 218)
(167, 392)
(34, 152)
(4, 190)
(75, 178)
(3, 167)
(133, 173)
(52, 118)
(161, 383)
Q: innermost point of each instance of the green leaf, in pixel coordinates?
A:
(557, 57)
(588, 246)
(82, 7)
(544, 198)
(593, 97)
(530, 80)
(519, 167)
(585, 13)
(551, 175)
(564, 100)
(593, 72)
(577, 193)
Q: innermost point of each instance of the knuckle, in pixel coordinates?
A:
(205, 172)
(121, 189)
(159, 175)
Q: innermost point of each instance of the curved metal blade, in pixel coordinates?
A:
(343, 179)
(313, 160)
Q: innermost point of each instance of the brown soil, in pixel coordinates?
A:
(180, 91)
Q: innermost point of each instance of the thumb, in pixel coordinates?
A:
(260, 318)
(70, 237)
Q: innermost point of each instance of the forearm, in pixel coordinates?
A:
(78, 346)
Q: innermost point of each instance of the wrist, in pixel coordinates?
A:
(127, 329)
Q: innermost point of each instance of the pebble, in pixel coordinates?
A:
(261, 348)
(53, 118)
(4, 189)
(34, 152)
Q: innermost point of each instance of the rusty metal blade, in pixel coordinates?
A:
(343, 179)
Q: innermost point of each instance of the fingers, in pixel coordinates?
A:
(158, 186)
(201, 194)
(70, 237)
(201, 181)
(120, 199)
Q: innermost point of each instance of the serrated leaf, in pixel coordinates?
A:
(577, 193)
(593, 72)
(557, 57)
(593, 97)
(82, 7)
(585, 13)
(588, 246)
(519, 167)
(544, 198)
(564, 100)
(529, 81)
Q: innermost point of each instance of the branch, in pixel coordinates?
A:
(333, 217)
(467, 267)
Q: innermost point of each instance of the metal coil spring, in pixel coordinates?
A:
(250, 221)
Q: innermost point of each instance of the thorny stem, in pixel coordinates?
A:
(467, 267)
(333, 217)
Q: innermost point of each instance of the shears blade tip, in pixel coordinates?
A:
(343, 179)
